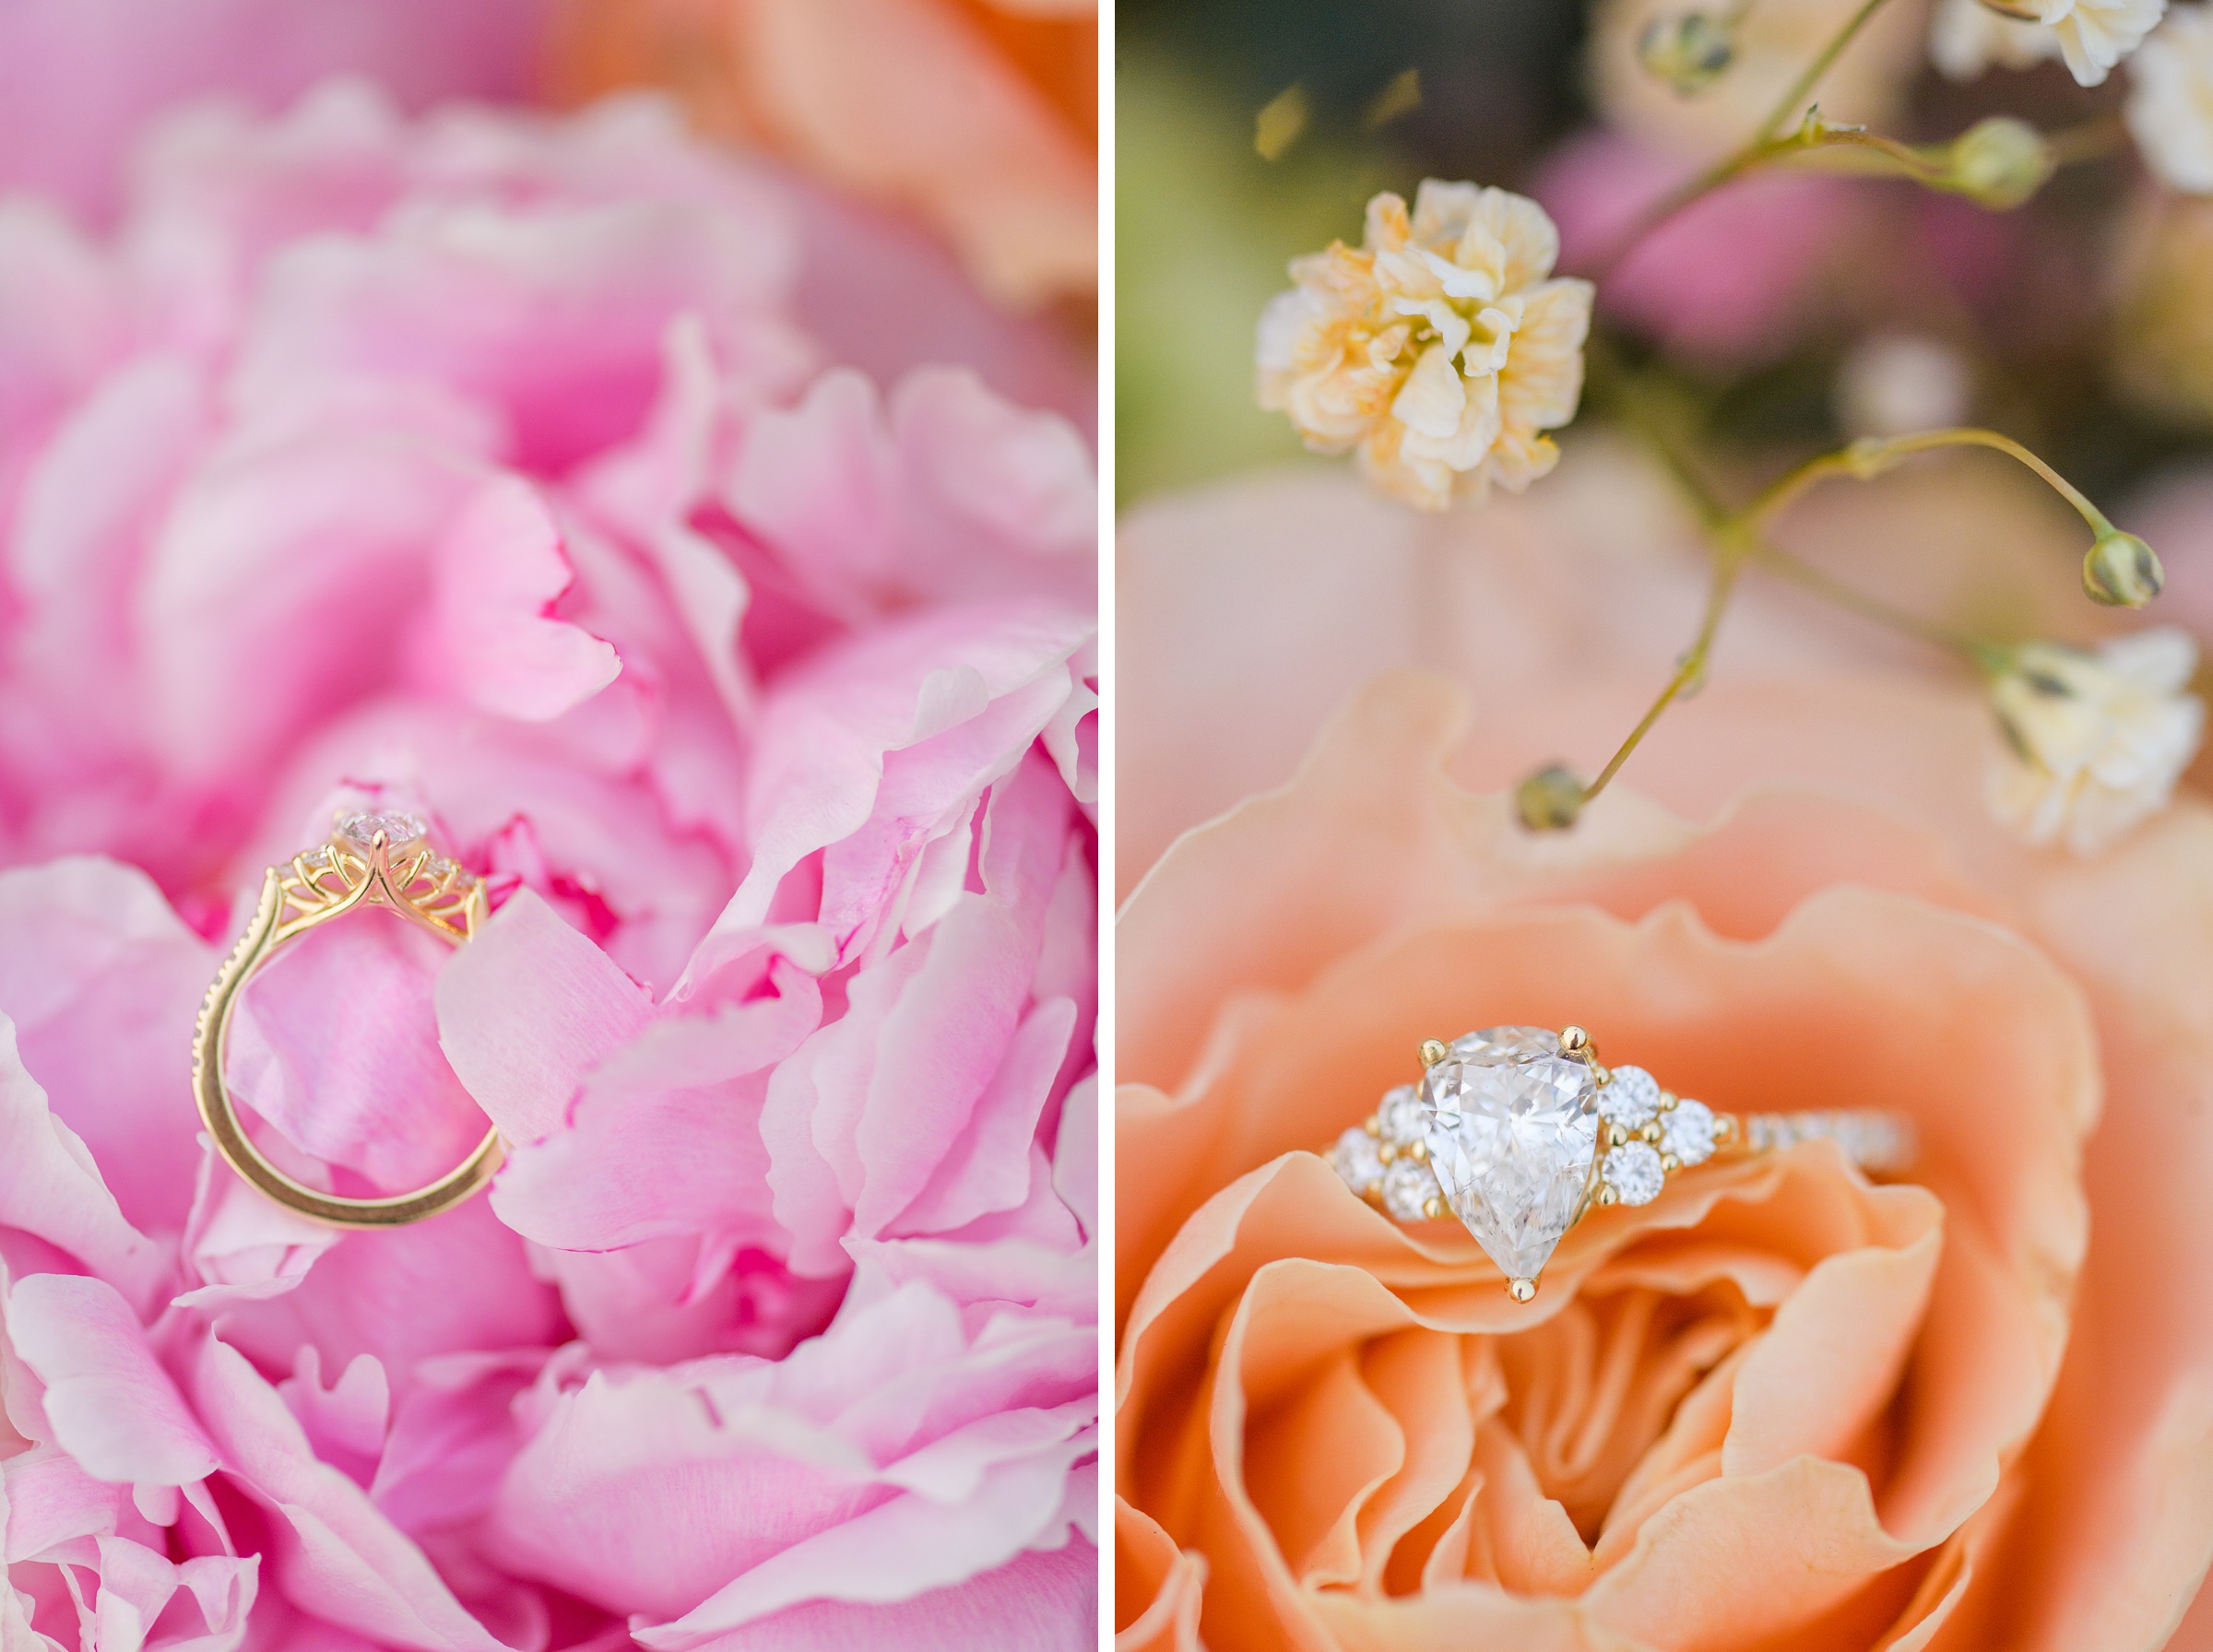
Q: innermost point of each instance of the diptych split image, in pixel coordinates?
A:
(1034, 826)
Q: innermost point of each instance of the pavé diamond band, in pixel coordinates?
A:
(373, 859)
(1520, 1132)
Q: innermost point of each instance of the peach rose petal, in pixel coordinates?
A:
(1271, 1025)
(1149, 1568)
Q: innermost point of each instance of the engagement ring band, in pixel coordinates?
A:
(374, 858)
(1520, 1132)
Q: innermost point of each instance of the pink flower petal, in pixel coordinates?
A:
(103, 983)
(664, 1139)
(335, 1043)
(340, 1560)
(526, 1009)
(497, 574)
(111, 1405)
(49, 1187)
(1042, 1600)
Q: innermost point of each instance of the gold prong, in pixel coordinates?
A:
(1574, 1041)
(1418, 1151)
(1651, 1133)
(1607, 1196)
(1372, 1125)
(1601, 1075)
(1433, 1206)
(1433, 1051)
(1617, 1135)
(1670, 1163)
(1725, 1125)
(1667, 1100)
(1521, 1289)
(1388, 1152)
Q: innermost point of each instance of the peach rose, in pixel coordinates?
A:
(980, 116)
(1781, 1406)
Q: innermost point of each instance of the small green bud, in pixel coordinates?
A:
(1689, 53)
(1998, 163)
(1549, 800)
(2122, 572)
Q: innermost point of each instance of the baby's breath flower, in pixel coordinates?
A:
(2093, 741)
(1999, 161)
(2170, 105)
(2092, 35)
(1440, 349)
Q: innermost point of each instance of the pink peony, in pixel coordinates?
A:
(494, 465)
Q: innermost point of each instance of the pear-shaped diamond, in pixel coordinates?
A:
(1512, 1129)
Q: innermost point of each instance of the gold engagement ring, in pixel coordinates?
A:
(373, 859)
(1520, 1132)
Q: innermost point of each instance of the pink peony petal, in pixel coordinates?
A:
(334, 1044)
(104, 982)
(495, 579)
(1042, 1600)
(526, 1009)
(49, 1187)
(109, 1403)
(343, 1562)
(664, 1139)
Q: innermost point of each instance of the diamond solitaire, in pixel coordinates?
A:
(1511, 1124)
(1520, 1132)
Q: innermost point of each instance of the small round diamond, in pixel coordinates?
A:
(1688, 1132)
(1357, 1161)
(1630, 1098)
(362, 827)
(1407, 1187)
(1401, 1117)
(1633, 1172)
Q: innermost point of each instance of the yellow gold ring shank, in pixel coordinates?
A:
(372, 859)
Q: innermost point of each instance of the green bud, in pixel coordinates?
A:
(1998, 163)
(1689, 53)
(2122, 572)
(1549, 800)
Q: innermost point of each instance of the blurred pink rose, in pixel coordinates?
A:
(490, 462)
(1779, 229)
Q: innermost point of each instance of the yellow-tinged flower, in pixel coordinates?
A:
(2094, 742)
(1440, 349)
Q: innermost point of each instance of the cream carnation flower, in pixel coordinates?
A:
(2171, 105)
(2094, 741)
(1440, 349)
(2092, 35)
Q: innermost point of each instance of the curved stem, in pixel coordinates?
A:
(1870, 458)
(1810, 77)
(1750, 154)
(1728, 559)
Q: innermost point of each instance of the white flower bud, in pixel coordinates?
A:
(1689, 52)
(1999, 162)
(2122, 572)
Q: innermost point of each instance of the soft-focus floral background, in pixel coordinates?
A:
(1337, 1432)
(699, 530)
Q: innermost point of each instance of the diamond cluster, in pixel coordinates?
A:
(1517, 1135)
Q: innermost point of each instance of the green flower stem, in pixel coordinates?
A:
(1735, 538)
(1762, 145)
(1871, 456)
